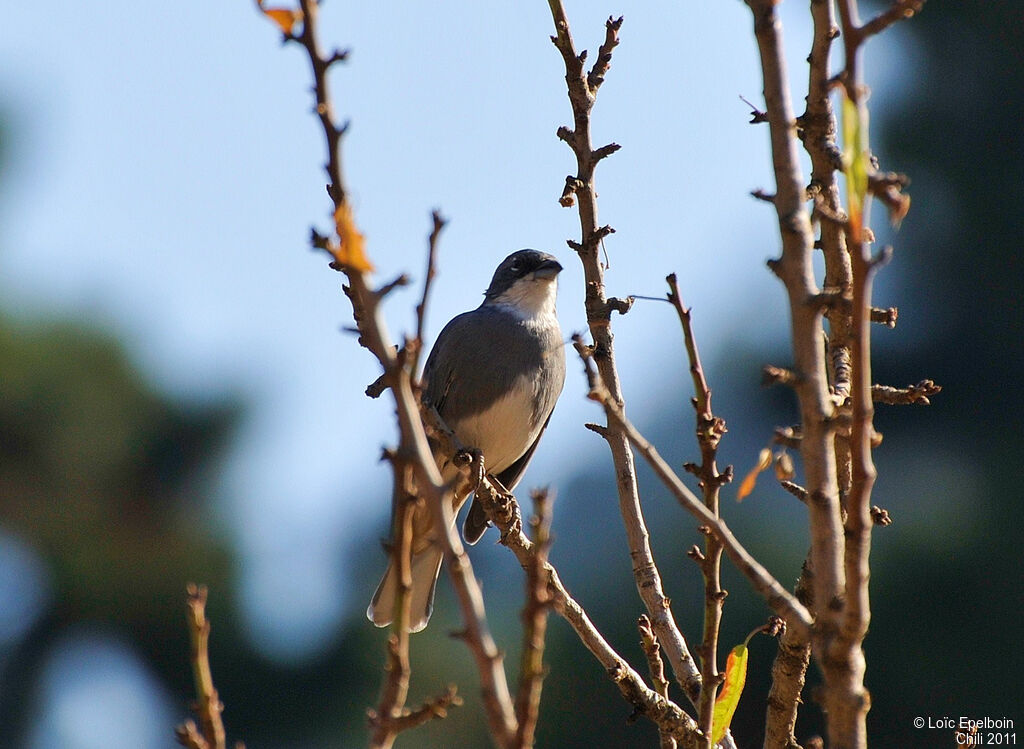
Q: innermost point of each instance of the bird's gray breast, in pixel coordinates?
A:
(494, 378)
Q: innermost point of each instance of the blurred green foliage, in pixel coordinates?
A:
(106, 479)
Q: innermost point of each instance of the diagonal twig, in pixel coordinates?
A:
(781, 601)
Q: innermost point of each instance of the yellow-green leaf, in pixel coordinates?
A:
(856, 161)
(729, 695)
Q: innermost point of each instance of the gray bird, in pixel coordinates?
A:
(494, 375)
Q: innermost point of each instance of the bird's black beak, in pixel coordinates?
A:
(548, 269)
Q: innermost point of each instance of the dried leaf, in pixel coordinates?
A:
(764, 461)
(729, 695)
(285, 18)
(350, 252)
(784, 470)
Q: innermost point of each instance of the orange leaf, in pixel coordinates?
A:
(285, 18)
(350, 252)
(764, 462)
(729, 696)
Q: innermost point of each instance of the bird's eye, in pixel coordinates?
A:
(515, 266)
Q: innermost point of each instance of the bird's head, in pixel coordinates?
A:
(526, 283)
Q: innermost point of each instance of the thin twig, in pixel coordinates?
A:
(535, 617)
(208, 705)
(918, 394)
(384, 720)
(428, 278)
(652, 651)
(582, 90)
(710, 429)
(900, 10)
(434, 708)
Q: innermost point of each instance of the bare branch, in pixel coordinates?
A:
(709, 431)
(428, 278)
(779, 599)
(582, 93)
(535, 616)
(208, 705)
(918, 394)
(652, 651)
(502, 509)
(900, 10)
(413, 450)
(489, 660)
(795, 270)
(395, 690)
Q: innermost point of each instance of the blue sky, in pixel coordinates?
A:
(164, 168)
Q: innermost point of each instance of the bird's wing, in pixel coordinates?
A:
(482, 370)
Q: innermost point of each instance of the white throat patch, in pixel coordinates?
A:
(530, 298)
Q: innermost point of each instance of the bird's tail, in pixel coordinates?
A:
(425, 567)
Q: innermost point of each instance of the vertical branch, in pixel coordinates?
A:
(321, 63)
(652, 651)
(818, 133)
(582, 88)
(709, 433)
(391, 707)
(789, 670)
(847, 700)
(210, 734)
(836, 470)
(428, 279)
(535, 618)
(795, 270)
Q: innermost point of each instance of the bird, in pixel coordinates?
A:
(494, 375)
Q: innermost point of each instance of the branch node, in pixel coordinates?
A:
(795, 489)
(756, 115)
(885, 316)
(772, 375)
(622, 306)
(880, 516)
(568, 199)
(918, 394)
(605, 151)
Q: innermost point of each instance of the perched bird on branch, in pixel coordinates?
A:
(493, 375)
